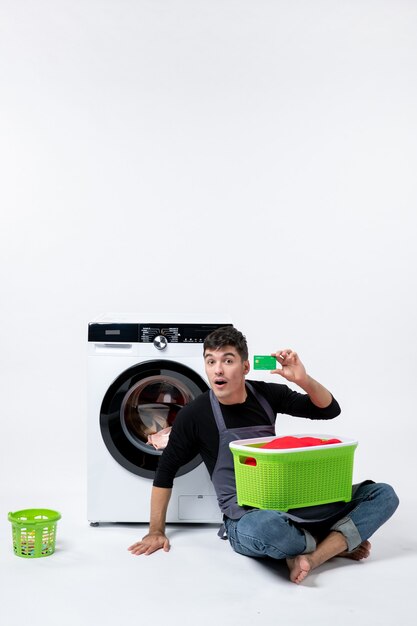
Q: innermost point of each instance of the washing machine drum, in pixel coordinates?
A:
(150, 407)
(140, 407)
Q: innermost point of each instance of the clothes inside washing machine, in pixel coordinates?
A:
(149, 410)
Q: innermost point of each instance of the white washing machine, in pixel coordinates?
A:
(140, 374)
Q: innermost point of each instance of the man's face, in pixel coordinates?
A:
(226, 374)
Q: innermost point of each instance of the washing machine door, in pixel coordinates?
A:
(142, 402)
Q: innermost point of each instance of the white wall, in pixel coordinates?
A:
(239, 159)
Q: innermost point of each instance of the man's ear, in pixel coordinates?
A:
(246, 367)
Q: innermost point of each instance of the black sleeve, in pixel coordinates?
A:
(285, 400)
(182, 447)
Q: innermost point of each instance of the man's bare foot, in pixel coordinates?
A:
(361, 552)
(299, 568)
(334, 544)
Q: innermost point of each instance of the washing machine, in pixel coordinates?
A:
(140, 374)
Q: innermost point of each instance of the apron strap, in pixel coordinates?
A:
(217, 412)
(264, 404)
(222, 532)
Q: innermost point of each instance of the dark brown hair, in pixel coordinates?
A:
(227, 336)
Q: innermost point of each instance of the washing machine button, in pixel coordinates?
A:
(160, 342)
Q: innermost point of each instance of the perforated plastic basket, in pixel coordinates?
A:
(34, 532)
(293, 478)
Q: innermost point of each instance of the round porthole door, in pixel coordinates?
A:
(139, 409)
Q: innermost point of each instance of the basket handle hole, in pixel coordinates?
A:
(247, 460)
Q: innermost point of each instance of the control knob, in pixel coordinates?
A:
(160, 342)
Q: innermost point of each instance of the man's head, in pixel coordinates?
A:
(226, 363)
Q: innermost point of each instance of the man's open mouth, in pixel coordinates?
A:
(219, 383)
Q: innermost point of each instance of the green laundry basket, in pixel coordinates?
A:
(34, 532)
(293, 478)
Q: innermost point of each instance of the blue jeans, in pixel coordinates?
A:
(261, 533)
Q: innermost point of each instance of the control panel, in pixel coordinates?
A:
(150, 333)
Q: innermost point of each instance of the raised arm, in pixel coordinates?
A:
(294, 371)
(156, 538)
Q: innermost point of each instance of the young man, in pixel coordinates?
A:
(237, 409)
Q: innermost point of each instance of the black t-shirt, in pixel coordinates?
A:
(195, 430)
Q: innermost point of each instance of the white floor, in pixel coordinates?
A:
(93, 579)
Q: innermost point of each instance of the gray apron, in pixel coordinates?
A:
(223, 476)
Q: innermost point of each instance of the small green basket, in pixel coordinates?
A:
(295, 478)
(34, 532)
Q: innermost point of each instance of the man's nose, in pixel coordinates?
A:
(218, 368)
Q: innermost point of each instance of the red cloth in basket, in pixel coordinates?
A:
(285, 443)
